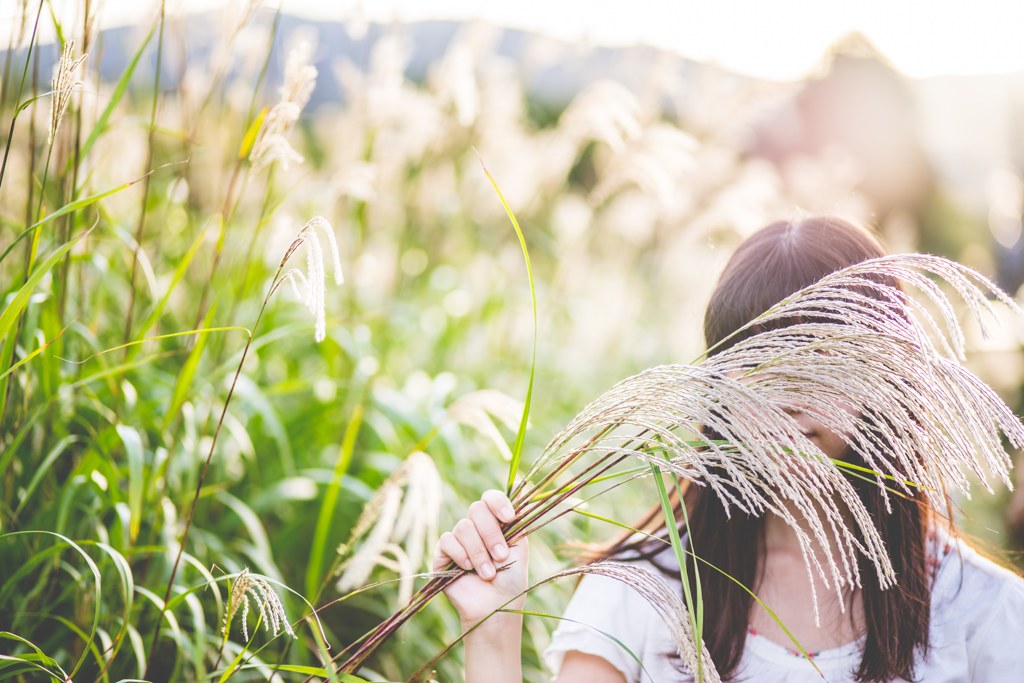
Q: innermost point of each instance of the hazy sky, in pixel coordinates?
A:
(778, 39)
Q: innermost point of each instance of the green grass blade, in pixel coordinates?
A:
(677, 546)
(517, 449)
(40, 656)
(42, 468)
(32, 355)
(115, 98)
(20, 300)
(97, 582)
(609, 520)
(188, 371)
(58, 29)
(136, 474)
(201, 332)
(696, 571)
(75, 206)
(323, 522)
(29, 665)
(249, 139)
(179, 273)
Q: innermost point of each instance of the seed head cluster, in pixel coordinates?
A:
(65, 81)
(397, 524)
(309, 286)
(247, 586)
(272, 142)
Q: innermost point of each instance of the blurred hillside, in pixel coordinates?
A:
(969, 126)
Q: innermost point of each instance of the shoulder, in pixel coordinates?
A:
(968, 581)
(977, 614)
(608, 618)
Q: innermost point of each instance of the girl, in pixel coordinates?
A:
(954, 616)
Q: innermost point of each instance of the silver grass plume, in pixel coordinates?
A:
(309, 286)
(666, 602)
(65, 81)
(854, 352)
(479, 409)
(247, 586)
(397, 524)
(864, 359)
(271, 142)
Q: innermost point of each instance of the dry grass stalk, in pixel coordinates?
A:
(666, 601)
(397, 523)
(65, 81)
(476, 410)
(854, 352)
(299, 81)
(309, 286)
(272, 612)
(888, 381)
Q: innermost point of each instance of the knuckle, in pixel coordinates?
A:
(480, 557)
(463, 527)
(477, 508)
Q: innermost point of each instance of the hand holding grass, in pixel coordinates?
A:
(477, 543)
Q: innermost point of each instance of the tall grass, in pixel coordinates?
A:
(173, 438)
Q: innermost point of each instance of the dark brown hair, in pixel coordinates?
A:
(767, 267)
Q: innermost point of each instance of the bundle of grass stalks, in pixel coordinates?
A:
(859, 356)
(161, 464)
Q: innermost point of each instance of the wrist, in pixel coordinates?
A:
(499, 627)
(494, 649)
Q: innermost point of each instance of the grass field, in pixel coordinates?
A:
(198, 397)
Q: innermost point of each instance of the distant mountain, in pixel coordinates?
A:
(969, 125)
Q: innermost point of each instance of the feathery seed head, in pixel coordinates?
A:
(654, 589)
(246, 586)
(65, 81)
(870, 363)
(299, 76)
(299, 82)
(476, 410)
(309, 286)
(401, 518)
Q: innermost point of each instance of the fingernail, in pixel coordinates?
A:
(486, 570)
(499, 551)
(507, 513)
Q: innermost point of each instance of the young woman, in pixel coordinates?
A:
(954, 616)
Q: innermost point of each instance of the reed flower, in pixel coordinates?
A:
(309, 286)
(400, 519)
(479, 409)
(875, 365)
(605, 111)
(250, 586)
(666, 601)
(856, 353)
(65, 81)
(299, 82)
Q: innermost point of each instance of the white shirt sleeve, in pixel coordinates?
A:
(997, 647)
(605, 618)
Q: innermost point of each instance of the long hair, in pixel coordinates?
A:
(775, 262)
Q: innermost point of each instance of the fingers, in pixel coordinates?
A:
(489, 530)
(466, 533)
(499, 504)
(449, 549)
(477, 542)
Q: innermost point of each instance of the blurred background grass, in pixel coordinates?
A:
(633, 170)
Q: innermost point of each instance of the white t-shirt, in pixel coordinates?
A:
(977, 632)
